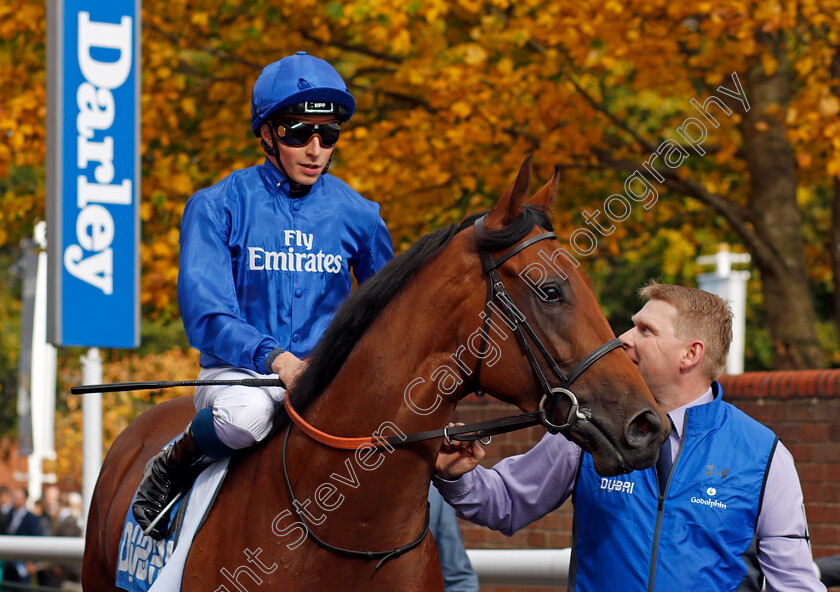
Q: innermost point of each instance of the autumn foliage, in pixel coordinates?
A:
(450, 97)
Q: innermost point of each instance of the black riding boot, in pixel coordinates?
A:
(166, 474)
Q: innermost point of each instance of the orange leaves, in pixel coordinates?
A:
(769, 63)
(446, 90)
(829, 105)
(451, 94)
(22, 112)
(118, 409)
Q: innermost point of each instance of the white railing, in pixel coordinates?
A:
(516, 567)
(523, 567)
(42, 548)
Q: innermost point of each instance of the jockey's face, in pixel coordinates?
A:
(303, 164)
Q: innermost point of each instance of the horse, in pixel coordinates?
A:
(493, 305)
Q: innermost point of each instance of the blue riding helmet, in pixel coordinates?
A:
(303, 83)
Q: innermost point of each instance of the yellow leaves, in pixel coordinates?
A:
(188, 107)
(804, 65)
(146, 211)
(5, 156)
(769, 63)
(159, 249)
(200, 18)
(437, 9)
(322, 32)
(505, 66)
(829, 105)
(438, 176)
(21, 17)
(450, 94)
(614, 6)
(401, 42)
(359, 133)
(468, 182)
(474, 54)
(461, 109)
(726, 153)
(833, 166)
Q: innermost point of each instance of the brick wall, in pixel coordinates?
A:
(803, 408)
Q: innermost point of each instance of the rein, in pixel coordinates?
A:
(465, 433)
(477, 431)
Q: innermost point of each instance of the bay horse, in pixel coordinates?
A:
(404, 348)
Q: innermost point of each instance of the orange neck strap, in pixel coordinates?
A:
(324, 438)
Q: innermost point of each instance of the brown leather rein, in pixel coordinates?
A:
(475, 431)
(485, 429)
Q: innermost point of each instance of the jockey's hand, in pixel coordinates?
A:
(288, 367)
(458, 458)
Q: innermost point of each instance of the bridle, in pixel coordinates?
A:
(496, 292)
(551, 396)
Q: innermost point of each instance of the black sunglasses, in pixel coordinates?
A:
(298, 133)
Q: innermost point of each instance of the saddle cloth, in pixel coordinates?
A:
(147, 565)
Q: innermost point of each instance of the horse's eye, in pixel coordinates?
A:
(551, 294)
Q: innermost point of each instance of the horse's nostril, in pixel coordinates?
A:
(642, 430)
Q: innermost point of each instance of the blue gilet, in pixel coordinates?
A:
(699, 535)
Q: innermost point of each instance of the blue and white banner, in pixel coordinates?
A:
(93, 172)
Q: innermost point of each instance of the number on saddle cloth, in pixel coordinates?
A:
(142, 558)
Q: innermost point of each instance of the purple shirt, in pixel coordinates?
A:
(522, 489)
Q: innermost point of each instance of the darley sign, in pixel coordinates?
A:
(93, 172)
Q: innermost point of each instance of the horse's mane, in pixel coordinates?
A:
(364, 304)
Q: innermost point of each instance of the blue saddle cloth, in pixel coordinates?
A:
(141, 557)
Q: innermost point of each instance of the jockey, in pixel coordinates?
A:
(266, 257)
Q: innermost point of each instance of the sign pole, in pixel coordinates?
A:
(43, 378)
(93, 179)
(91, 426)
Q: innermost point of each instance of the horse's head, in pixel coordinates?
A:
(561, 354)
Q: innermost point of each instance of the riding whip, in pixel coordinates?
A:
(117, 387)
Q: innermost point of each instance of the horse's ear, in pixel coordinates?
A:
(509, 205)
(542, 198)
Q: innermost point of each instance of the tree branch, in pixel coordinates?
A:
(417, 102)
(738, 216)
(176, 39)
(594, 103)
(350, 47)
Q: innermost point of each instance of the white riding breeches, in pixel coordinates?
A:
(242, 415)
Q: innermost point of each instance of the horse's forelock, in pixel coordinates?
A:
(513, 232)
